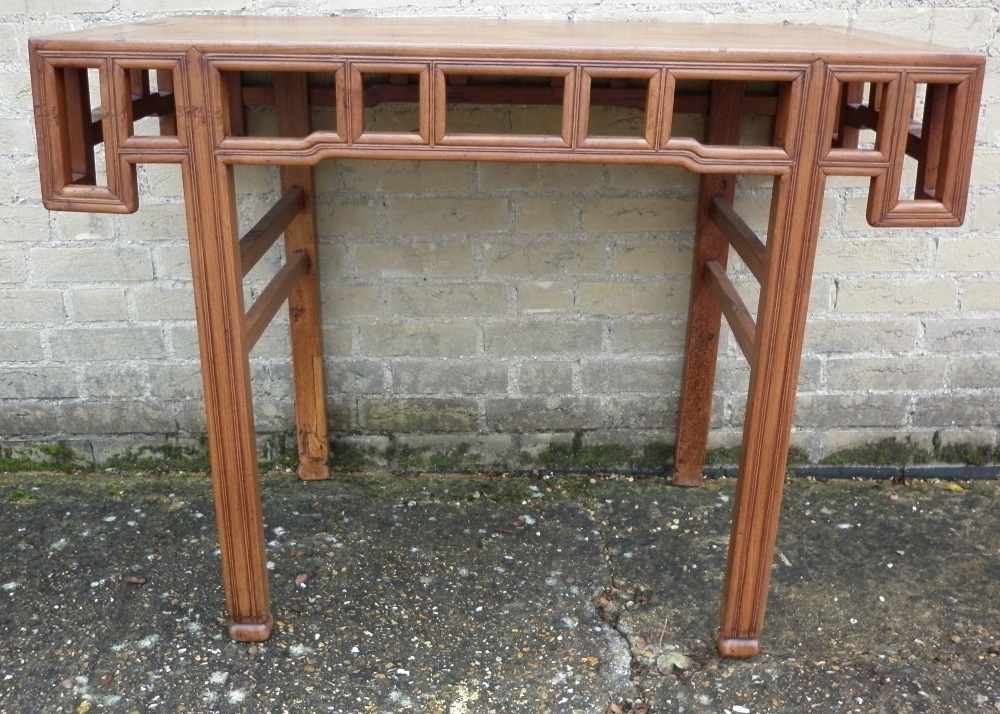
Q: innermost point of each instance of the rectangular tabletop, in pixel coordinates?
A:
(454, 37)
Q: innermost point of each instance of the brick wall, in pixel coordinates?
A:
(502, 306)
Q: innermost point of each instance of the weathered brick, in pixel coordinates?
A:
(419, 340)
(543, 338)
(616, 376)
(642, 215)
(840, 410)
(155, 222)
(114, 381)
(846, 255)
(58, 7)
(981, 296)
(474, 119)
(16, 136)
(21, 346)
(549, 259)
(13, 266)
(984, 210)
(659, 337)
(404, 176)
(273, 416)
(37, 383)
(951, 408)
(28, 418)
(666, 257)
(974, 371)
(962, 335)
(413, 259)
(117, 417)
(75, 226)
(846, 336)
(175, 380)
(97, 305)
(544, 298)
(544, 377)
(341, 302)
(903, 296)
(615, 298)
(20, 306)
(985, 169)
(645, 412)
(544, 215)
(421, 415)
(345, 219)
(163, 303)
(73, 264)
(23, 224)
(332, 260)
(886, 374)
(448, 300)
(162, 180)
(527, 176)
(172, 262)
(15, 93)
(733, 374)
(913, 22)
(437, 216)
(543, 414)
(354, 376)
(543, 120)
(970, 255)
(274, 343)
(337, 340)
(78, 345)
(449, 377)
(616, 122)
(650, 177)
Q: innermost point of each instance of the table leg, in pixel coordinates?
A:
(704, 314)
(292, 101)
(781, 319)
(225, 365)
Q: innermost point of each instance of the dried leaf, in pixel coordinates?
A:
(673, 660)
(951, 486)
(303, 578)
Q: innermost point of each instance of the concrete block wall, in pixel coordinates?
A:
(504, 306)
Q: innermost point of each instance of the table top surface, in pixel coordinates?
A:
(476, 37)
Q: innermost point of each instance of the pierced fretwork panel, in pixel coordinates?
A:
(250, 101)
(81, 112)
(912, 132)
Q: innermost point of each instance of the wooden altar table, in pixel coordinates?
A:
(839, 103)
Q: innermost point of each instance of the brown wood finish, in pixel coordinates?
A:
(308, 373)
(694, 413)
(828, 84)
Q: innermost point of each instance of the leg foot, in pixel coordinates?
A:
(687, 476)
(251, 631)
(738, 647)
(313, 470)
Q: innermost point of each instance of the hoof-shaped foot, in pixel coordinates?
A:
(738, 647)
(251, 631)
